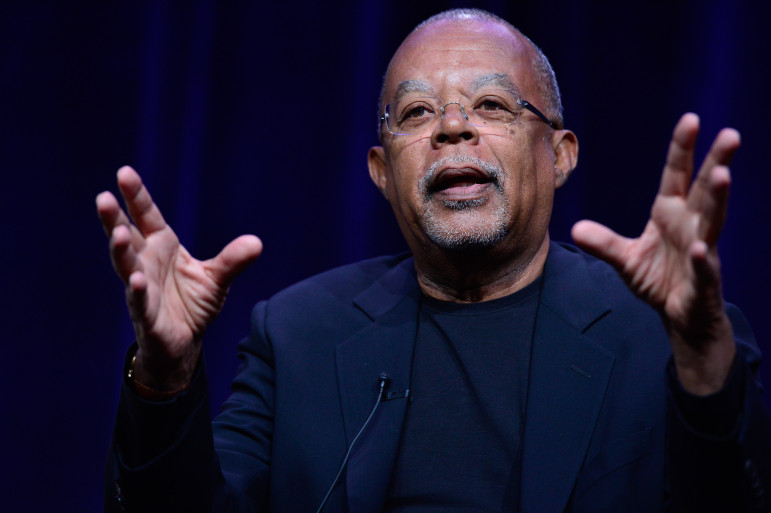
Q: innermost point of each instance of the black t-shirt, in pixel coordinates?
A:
(460, 448)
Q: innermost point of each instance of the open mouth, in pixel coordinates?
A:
(460, 181)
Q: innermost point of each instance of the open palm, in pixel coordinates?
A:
(673, 264)
(172, 297)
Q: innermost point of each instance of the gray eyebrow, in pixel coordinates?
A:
(501, 80)
(410, 86)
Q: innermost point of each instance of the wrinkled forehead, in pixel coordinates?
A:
(451, 57)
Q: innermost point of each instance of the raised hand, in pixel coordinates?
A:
(673, 264)
(172, 297)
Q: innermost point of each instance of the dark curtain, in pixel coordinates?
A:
(252, 117)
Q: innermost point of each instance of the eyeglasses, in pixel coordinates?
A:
(413, 115)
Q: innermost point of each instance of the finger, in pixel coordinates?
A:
(123, 256)
(720, 154)
(601, 242)
(234, 258)
(707, 273)
(136, 298)
(714, 205)
(111, 215)
(140, 205)
(723, 148)
(678, 168)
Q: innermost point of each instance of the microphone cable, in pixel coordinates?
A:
(383, 379)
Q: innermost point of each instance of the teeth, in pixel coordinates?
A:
(454, 177)
(460, 181)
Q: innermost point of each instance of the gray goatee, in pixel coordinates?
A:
(468, 228)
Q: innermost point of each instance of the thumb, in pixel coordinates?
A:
(600, 241)
(234, 258)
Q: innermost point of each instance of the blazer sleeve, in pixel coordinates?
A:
(719, 447)
(170, 456)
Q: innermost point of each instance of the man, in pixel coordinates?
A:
(490, 371)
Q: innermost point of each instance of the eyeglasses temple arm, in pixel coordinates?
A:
(527, 105)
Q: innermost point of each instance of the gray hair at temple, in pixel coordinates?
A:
(545, 79)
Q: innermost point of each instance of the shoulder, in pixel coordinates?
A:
(344, 283)
(331, 297)
(590, 295)
(583, 273)
(313, 315)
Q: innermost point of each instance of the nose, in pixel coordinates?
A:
(453, 127)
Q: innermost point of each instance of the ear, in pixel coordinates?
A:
(377, 168)
(564, 143)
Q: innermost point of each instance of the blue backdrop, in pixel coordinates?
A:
(249, 117)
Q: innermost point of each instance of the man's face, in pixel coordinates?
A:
(454, 185)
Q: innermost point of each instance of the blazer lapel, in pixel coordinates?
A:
(386, 346)
(569, 374)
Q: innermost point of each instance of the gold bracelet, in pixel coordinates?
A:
(150, 393)
(130, 373)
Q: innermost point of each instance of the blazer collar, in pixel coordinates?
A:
(569, 288)
(392, 288)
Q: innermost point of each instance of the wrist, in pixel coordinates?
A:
(157, 379)
(703, 366)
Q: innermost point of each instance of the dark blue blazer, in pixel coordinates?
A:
(602, 432)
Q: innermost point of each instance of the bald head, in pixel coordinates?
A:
(540, 68)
